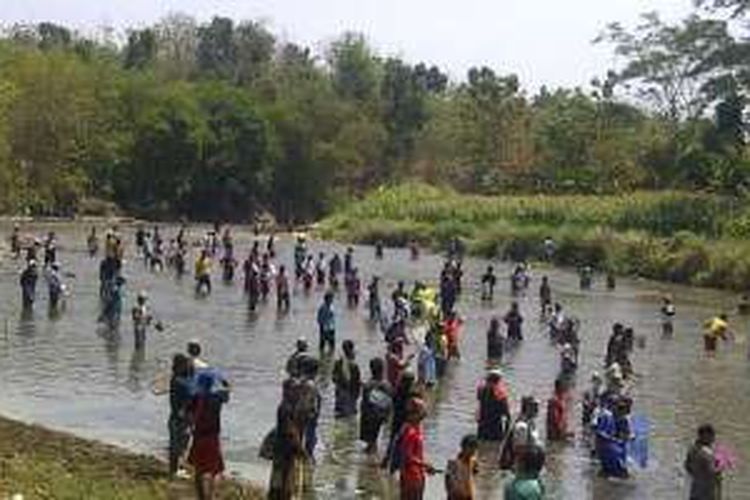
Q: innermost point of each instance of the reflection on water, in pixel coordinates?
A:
(70, 373)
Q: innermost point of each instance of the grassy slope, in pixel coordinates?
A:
(42, 464)
(670, 236)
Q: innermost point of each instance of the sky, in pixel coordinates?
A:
(542, 41)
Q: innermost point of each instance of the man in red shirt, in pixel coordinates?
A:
(557, 414)
(413, 466)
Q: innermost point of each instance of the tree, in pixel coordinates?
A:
(216, 54)
(11, 182)
(177, 37)
(403, 94)
(494, 127)
(738, 8)
(234, 176)
(255, 48)
(141, 49)
(666, 64)
(169, 132)
(355, 69)
(53, 36)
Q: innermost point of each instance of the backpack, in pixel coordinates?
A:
(380, 401)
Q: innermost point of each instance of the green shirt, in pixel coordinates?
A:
(524, 488)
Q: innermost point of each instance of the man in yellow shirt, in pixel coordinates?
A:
(716, 328)
(203, 273)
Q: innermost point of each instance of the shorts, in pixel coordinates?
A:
(709, 342)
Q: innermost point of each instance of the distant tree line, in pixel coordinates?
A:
(222, 120)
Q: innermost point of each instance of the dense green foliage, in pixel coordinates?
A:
(222, 120)
(671, 236)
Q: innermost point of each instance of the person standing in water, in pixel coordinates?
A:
(526, 484)
(545, 296)
(379, 249)
(55, 285)
(141, 320)
(376, 405)
(700, 464)
(92, 242)
(494, 413)
(15, 242)
(557, 414)
(205, 453)
(28, 280)
(495, 340)
(514, 320)
(287, 472)
(667, 316)
(203, 273)
(414, 467)
(488, 284)
(348, 382)
(460, 472)
(373, 299)
(282, 290)
(180, 396)
(327, 324)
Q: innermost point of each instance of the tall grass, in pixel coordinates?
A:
(671, 236)
(659, 213)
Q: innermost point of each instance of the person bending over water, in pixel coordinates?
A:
(716, 328)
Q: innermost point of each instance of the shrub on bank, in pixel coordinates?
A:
(662, 236)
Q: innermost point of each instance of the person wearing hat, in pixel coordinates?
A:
(494, 413)
(414, 468)
(28, 280)
(141, 319)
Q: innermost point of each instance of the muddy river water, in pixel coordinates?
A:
(67, 373)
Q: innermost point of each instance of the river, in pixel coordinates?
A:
(68, 374)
